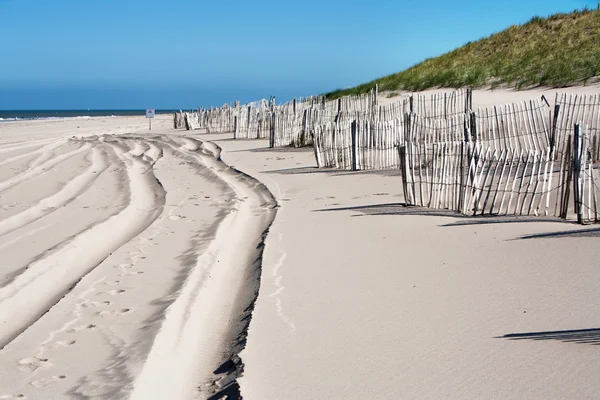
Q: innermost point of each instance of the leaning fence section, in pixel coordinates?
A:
(476, 178)
(518, 126)
(571, 109)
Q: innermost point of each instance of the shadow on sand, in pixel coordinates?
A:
(582, 336)
(461, 219)
(395, 209)
(333, 171)
(593, 232)
(466, 220)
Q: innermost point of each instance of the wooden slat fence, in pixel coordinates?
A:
(520, 126)
(441, 105)
(475, 178)
(332, 144)
(359, 144)
(571, 109)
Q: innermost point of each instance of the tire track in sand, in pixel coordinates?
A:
(200, 326)
(39, 169)
(46, 281)
(10, 147)
(44, 150)
(69, 192)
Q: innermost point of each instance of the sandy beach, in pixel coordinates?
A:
(182, 265)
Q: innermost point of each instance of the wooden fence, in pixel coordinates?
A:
(441, 105)
(571, 109)
(294, 123)
(516, 159)
(525, 158)
(475, 178)
(359, 144)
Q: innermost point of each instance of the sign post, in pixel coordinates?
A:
(150, 115)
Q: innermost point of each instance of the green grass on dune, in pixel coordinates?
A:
(557, 51)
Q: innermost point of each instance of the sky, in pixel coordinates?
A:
(134, 54)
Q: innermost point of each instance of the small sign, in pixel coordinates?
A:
(150, 113)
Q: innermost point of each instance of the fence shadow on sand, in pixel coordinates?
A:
(590, 232)
(396, 209)
(461, 219)
(334, 172)
(581, 336)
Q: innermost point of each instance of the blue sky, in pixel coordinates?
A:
(64, 54)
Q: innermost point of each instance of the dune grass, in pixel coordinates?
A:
(557, 51)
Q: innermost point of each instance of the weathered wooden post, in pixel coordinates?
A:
(272, 130)
(235, 127)
(576, 165)
(445, 105)
(403, 168)
(474, 127)
(579, 161)
(554, 127)
(354, 145)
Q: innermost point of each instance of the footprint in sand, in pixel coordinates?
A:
(97, 303)
(40, 383)
(12, 396)
(132, 273)
(82, 328)
(60, 344)
(124, 266)
(176, 217)
(113, 313)
(30, 364)
(115, 292)
(112, 283)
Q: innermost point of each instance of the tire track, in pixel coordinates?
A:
(118, 171)
(68, 193)
(39, 169)
(49, 147)
(25, 145)
(51, 277)
(200, 325)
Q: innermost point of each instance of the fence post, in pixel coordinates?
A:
(354, 145)
(410, 102)
(445, 105)
(474, 127)
(577, 178)
(461, 193)
(554, 128)
(403, 168)
(235, 127)
(272, 130)
(469, 100)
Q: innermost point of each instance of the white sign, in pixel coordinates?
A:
(150, 113)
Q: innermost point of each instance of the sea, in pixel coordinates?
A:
(21, 115)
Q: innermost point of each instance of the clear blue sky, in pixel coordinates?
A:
(185, 53)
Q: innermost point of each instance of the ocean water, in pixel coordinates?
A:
(18, 115)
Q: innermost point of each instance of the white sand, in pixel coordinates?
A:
(158, 241)
(360, 297)
(488, 98)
